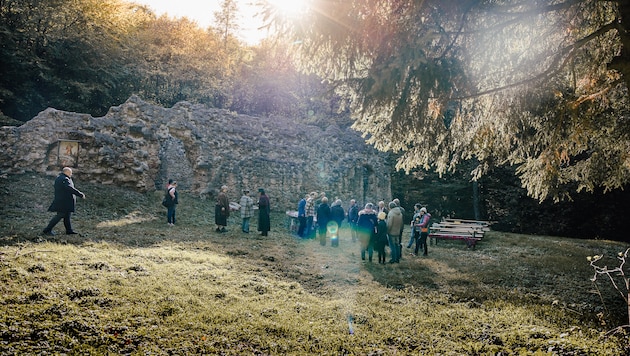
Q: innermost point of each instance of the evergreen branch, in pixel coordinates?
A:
(558, 63)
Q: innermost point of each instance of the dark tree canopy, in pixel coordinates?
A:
(540, 85)
(89, 55)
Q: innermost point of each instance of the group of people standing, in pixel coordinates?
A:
(382, 226)
(222, 209)
(375, 227)
(319, 216)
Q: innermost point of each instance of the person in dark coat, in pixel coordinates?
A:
(171, 201)
(337, 214)
(264, 223)
(222, 210)
(380, 237)
(353, 216)
(323, 217)
(365, 230)
(64, 202)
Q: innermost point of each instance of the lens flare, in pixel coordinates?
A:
(290, 8)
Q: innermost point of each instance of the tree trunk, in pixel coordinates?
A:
(475, 187)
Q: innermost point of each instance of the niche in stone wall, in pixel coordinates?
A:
(67, 154)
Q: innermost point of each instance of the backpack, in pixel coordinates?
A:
(167, 200)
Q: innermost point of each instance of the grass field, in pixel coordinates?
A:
(129, 284)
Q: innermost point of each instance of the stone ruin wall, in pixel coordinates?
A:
(140, 145)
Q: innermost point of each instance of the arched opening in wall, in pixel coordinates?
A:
(174, 164)
(367, 172)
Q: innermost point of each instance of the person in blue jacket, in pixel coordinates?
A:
(302, 216)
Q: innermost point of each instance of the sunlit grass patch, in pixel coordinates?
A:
(135, 217)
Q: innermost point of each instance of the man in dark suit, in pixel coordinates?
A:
(64, 202)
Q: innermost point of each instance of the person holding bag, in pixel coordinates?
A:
(170, 201)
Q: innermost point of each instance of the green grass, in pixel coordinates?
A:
(132, 285)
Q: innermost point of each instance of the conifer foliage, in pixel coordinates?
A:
(540, 85)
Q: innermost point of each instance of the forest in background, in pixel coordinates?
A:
(88, 55)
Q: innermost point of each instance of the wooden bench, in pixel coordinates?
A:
(292, 221)
(470, 239)
(460, 227)
(469, 231)
(483, 223)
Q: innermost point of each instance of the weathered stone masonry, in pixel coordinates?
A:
(140, 145)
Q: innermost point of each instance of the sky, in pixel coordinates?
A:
(202, 11)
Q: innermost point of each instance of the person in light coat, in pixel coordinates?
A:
(247, 210)
(394, 228)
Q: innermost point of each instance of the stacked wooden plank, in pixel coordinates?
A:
(469, 231)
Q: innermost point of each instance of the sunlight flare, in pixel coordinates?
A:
(290, 8)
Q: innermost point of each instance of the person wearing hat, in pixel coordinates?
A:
(247, 210)
(380, 238)
(264, 222)
(423, 226)
(222, 210)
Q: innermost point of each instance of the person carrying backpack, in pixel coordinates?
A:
(170, 201)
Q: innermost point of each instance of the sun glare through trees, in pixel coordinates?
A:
(290, 8)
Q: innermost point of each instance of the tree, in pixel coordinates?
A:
(66, 54)
(270, 84)
(88, 55)
(178, 62)
(226, 25)
(540, 85)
